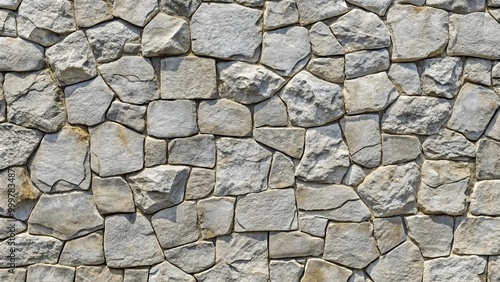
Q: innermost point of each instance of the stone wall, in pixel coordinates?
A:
(306, 140)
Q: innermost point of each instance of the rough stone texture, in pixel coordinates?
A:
(432, 234)
(280, 13)
(20, 55)
(288, 140)
(224, 117)
(179, 7)
(441, 77)
(9, 4)
(470, 237)
(478, 71)
(363, 139)
(24, 193)
(10, 226)
(155, 152)
(290, 270)
(328, 68)
(135, 12)
(133, 116)
(323, 42)
(177, 225)
(200, 184)
(389, 233)
(98, 273)
(487, 164)
(170, 119)
(282, 173)
(198, 151)
(86, 250)
(406, 78)
(271, 112)
(8, 26)
(32, 249)
(399, 148)
(366, 62)
(112, 195)
(165, 35)
(316, 10)
(91, 12)
(468, 268)
(483, 198)
(448, 145)
(294, 244)
(378, 7)
(317, 269)
(193, 257)
(215, 216)
(166, 271)
(47, 272)
(17, 144)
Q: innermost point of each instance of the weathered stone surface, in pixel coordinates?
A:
(129, 241)
(91, 12)
(366, 62)
(448, 145)
(165, 35)
(493, 268)
(25, 193)
(155, 152)
(215, 216)
(9, 4)
(406, 78)
(20, 55)
(170, 119)
(193, 257)
(487, 162)
(31, 249)
(354, 175)
(198, 150)
(416, 115)
(476, 236)
(371, 93)
(179, 7)
(463, 268)
(441, 77)
(140, 274)
(8, 23)
(323, 42)
(327, 142)
(17, 144)
(378, 7)
(288, 140)
(130, 115)
(460, 6)
(399, 149)
(484, 198)
(34, 100)
(350, 244)
(313, 225)
(279, 14)
(98, 273)
(282, 173)
(87, 250)
(271, 112)
(286, 50)
(432, 234)
(363, 139)
(115, 149)
(270, 210)
(18, 276)
(224, 117)
(329, 68)
(247, 83)
(288, 270)
(200, 184)
(135, 12)
(391, 190)
(389, 233)
(317, 269)
(316, 10)
(478, 71)
(47, 272)
(166, 271)
(177, 225)
(226, 31)
(350, 211)
(294, 244)
(112, 195)
(9, 226)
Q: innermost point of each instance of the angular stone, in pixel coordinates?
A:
(460, 6)
(441, 77)
(177, 225)
(406, 256)
(193, 257)
(10, 226)
(317, 269)
(458, 268)
(112, 195)
(155, 152)
(287, 270)
(313, 225)
(350, 211)
(286, 50)
(184, 8)
(493, 3)
(487, 162)
(312, 101)
(47, 272)
(109, 38)
(200, 184)
(406, 78)
(224, 117)
(378, 7)
(166, 271)
(86, 250)
(135, 12)
(413, 2)
(363, 139)
(416, 115)
(366, 62)
(432, 234)
(355, 175)
(266, 211)
(350, 244)
(34, 100)
(17, 144)
(31, 249)
(198, 150)
(429, 35)
(271, 112)
(360, 30)
(444, 187)
(91, 12)
(215, 216)
(136, 274)
(115, 149)
(484, 198)
(317, 10)
(131, 115)
(247, 83)
(9, 4)
(8, 23)
(159, 187)
(448, 145)
(399, 149)
(313, 196)
(25, 193)
(18, 276)
(165, 35)
(170, 119)
(371, 93)
(129, 241)
(476, 235)
(294, 244)
(226, 31)
(478, 71)
(325, 141)
(288, 140)
(279, 14)
(282, 172)
(329, 68)
(323, 42)
(98, 273)
(132, 78)
(389, 233)
(493, 268)
(20, 55)
(71, 215)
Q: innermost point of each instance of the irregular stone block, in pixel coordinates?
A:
(323, 42)
(91, 12)
(282, 172)
(8, 23)
(25, 193)
(363, 139)
(17, 144)
(317, 10)
(49, 273)
(224, 117)
(166, 271)
(137, 12)
(460, 6)
(271, 112)
(318, 269)
(215, 216)
(328, 68)
(279, 14)
(288, 140)
(288, 270)
(432, 234)
(487, 162)
(84, 250)
(484, 198)
(448, 145)
(399, 149)
(470, 236)
(389, 232)
(459, 268)
(177, 225)
(313, 225)
(131, 115)
(193, 257)
(376, 6)
(294, 244)
(165, 35)
(198, 150)
(478, 71)
(441, 77)
(136, 274)
(112, 195)
(200, 184)
(98, 273)
(9, 4)
(31, 250)
(10, 227)
(20, 55)
(171, 119)
(406, 78)
(354, 175)
(179, 7)
(366, 62)
(155, 152)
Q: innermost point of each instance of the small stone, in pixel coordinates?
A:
(158, 187)
(330, 68)
(317, 269)
(132, 78)
(155, 152)
(312, 101)
(354, 175)
(226, 31)
(9, 4)
(378, 7)
(177, 225)
(247, 83)
(115, 149)
(350, 244)
(193, 257)
(18, 276)
(363, 139)
(17, 144)
(136, 274)
(112, 195)
(198, 150)
(433, 234)
(279, 14)
(444, 187)
(323, 42)
(448, 145)
(429, 35)
(170, 119)
(458, 268)
(313, 225)
(493, 3)
(215, 216)
(325, 141)
(399, 148)
(25, 193)
(10, 227)
(71, 215)
(487, 162)
(200, 184)
(98, 273)
(20, 55)
(458, 6)
(91, 12)
(184, 8)
(8, 23)
(416, 115)
(266, 211)
(288, 140)
(131, 115)
(478, 71)
(371, 93)
(366, 62)
(441, 77)
(165, 35)
(285, 270)
(271, 112)
(129, 241)
(484, 198)
(166, 271)
(223, 117)
(350, 211)
(389, 232)
(470, 236)
(84, 250)
(47, 272)
(317, 10)
(135, 12)
(360, 30)
(31, 249)
(406, 78)
(493, 268)
(294, 244)
(282, 172)
(286, 50)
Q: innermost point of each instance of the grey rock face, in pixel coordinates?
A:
(170, 119)
(131, 115)
(463, 268)
(483, 198)
(215, 216)
(155, 152)
(10, 59)
(487, 164)
(136, 274)
(112, 195)
(289, 140)
(389, 233)
(448, 145)
(313, 225)
(354, 175)
(317, 268)
(166, 271)
(282, 172)
(17, 144)
(200, 184)
(86, 250)
(279, 14)
(9, 226)
(198, 150)
(366, 62)
(493, 268)
(432, 234)
(271, 112)
(8, 23)
(460, 6)
(363, 139)
(323, 42)
(316, 10)
(165, 35)
(32, 249)
(478, 71)
(290, 270)
(193, 257)
(50, 272)
(224, 117)
(328, 68)
(406, 78)
(179, 7)
(25, 193)
(18, 276)
(294, 244)
(135, 12)
(470, 238)
(378, 7)
(91, 12)
(9, 4)
(98, 273)
(441, 77)
(177, 225)
(399, 149)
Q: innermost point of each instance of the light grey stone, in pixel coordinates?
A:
(47, 272)
(444, 187)
(441, 77)
(289, 140)
(350, 211)
(18, 276)
(433, 234)
(136, 274)
(226, 31)
(448, 145)
(360, 30)
(406, 78)
(20, 55)
(135, 12)
(389, 233)
(10, 227)
(370, 93)
(288, 270)
(266, 211)
(115, 149)
(316, 10)
(286, 50)
(71, 215)
(376, 6)
(406, 256)
(391, 190)
(8, 23)
(416, 115)
(87, 250)
(98, 273)
(359, 276)
(184, 8)
(312, 101)
(487, 162)
(171, 119)
(317, 270)
(354, 175)
(279, 14)
(166, 271)
(198, 150)
(193, 257)
(177, 225)
(325, 141)
(271, 112)
(473, 110)
(458, 6)
(17, 144)
(399, 148)
(329, 68)
(129, 241)
(112, 195)
(31, 249)
(366, 62)
(493, 269)
(158, 187)
(323, 42)
(9, 4)
(363, 139)
(34, 100)
(200, 184)
(313, 225)
(165, 35)
(484, 197)
(215, 216)
(350, 244)
(428, 36)
(130, 115)
(294, 244)
(91, 12)
(413, 2)
(247, 83)
(3, 103)
(463, 268)
(471, 237)
(109, 38)
(155, 152)
(224, 117)
(25, 193)
(478, 71)
(132, 78)
(493, 3)
(313, 196)
(282, 173)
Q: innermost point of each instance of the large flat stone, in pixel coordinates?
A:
(362, 134)
(311, 11)
(458, 268)
(177, 225)
(165, 35)
(476, 236)
(224, 117)
(20, 55)
(17, 143)
(171, 119)
(289, 140)
(198, 150)
(31, 249)
(487, 163)
(215, 216)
